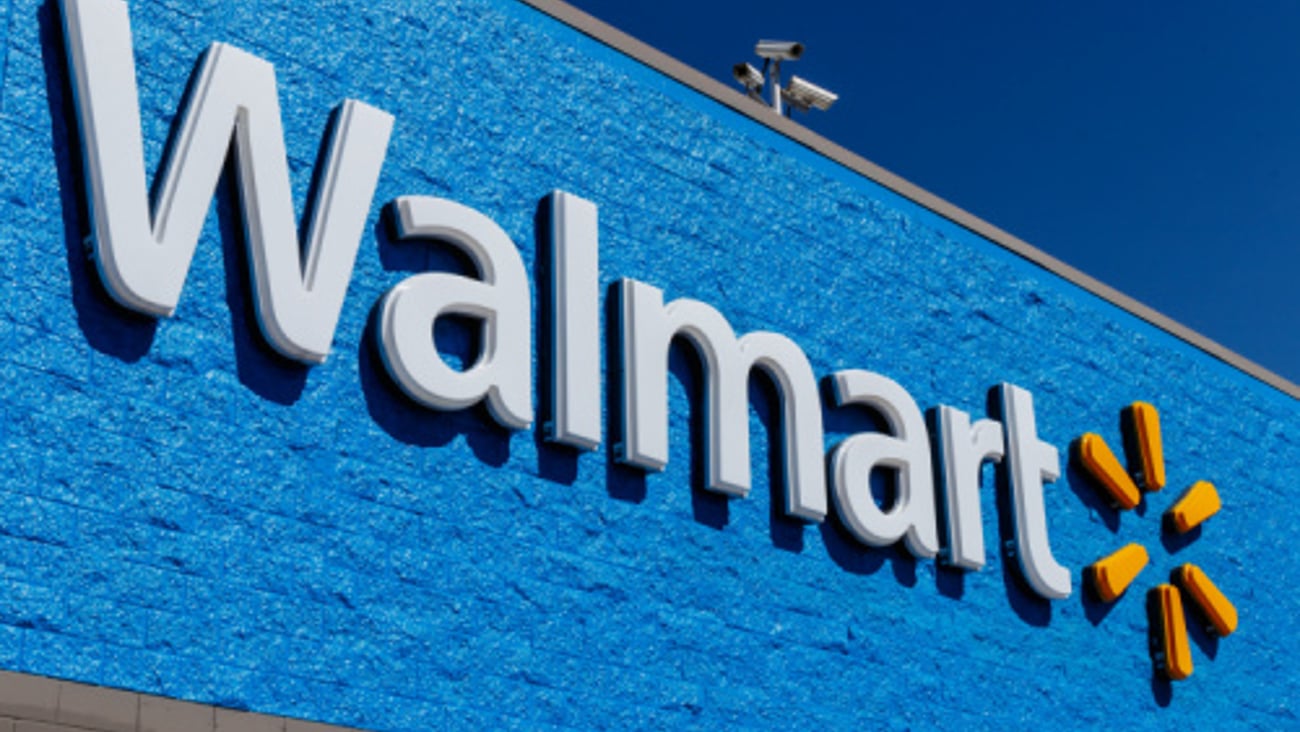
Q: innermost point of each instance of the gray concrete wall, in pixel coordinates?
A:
(38, 704)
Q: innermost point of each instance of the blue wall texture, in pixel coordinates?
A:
(183, 513)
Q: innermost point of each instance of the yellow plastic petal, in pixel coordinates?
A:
(1113, 574)
(1217, 608)
(1146, 425)
(1101, 463)
(1200, 502)
(1174, 654)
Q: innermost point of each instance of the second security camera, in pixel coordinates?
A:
(779, 50)
(804, 94)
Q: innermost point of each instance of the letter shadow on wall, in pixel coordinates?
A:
(708, 507)
(841, 545)
(115, 330)
(949, 580)
(459, 341)
(108, 327)
(555, 462)
(259, 367)
(785, 531)
(1027, 604)
(622, 482)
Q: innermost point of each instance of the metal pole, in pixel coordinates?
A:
(775, 80)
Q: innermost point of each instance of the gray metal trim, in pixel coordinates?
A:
(760, 113)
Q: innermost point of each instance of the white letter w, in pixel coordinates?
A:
(143, 256)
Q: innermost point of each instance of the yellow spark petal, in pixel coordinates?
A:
(1200, 502)
(1101, 463)
(1175, 654)
(1218, 610)
(1146, 425)
(1113, 574)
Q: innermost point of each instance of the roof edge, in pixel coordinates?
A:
(721, 93)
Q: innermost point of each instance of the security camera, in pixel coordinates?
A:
(805, 95)
(747, 75)
(779, 50)
(799, 94)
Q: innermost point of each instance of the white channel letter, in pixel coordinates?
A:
(647, 330)
(907, 450)
(1032, 462)
(500, 298)
(963, 449)
(575, 322)
(143, 258)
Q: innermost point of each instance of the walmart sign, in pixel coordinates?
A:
(143, 252)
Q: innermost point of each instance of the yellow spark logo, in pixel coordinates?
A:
(1111, 575)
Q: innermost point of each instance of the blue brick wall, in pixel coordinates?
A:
(183, 513)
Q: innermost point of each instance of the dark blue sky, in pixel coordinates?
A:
(1155, 146)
